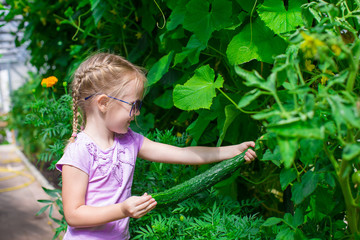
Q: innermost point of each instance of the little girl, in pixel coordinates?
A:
(98, 163)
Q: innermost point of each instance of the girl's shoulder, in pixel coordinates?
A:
(83, 144)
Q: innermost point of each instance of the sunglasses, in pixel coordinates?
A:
(135, 106)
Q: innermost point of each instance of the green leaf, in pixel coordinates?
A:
(344, 113)
(298, 218)
(285, 233)
(177, 16)
(309, 150)
(248, 6)
(249, 97)
(45, 201)
(274, 156)
(351, 151)
(197, 128)
(191, 51)
(165, 101)
(298, 129)
(255, 41)
(254, 79)
(42, 210)
(98, 8)
(202, 17)
(271, 221)
(198, 91)
(52, 192)
(277, 18)
(287, 175)
(69, 12)
(159, 69)
(231, 112)
(288, 148)
(303, 189)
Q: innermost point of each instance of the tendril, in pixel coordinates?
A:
(157, 24)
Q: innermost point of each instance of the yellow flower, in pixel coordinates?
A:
(310, 67)
(309, 45)
(138, 35)
(26, 9)
(324, 79)
(49, 82)
(336, 49)
(58, 22)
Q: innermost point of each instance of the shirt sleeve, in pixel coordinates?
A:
(76, 155)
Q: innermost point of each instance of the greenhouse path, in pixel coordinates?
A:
(20, 188)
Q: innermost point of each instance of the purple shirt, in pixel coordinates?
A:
(110, 178)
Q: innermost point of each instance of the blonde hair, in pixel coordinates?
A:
(102, 73)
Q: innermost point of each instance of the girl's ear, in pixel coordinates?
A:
(102, 103)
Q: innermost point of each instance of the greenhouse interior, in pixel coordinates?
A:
(179, 119)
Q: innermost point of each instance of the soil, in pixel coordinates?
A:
(53, 176)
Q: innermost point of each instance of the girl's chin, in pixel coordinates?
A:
(122, 131)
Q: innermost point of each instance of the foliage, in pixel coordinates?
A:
(205, 216)
(312, 123)
(3, 140)
(54, 203)
(47, 122)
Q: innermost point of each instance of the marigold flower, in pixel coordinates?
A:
(49, 82)
(324, 79)
(336, 49)
(309, 66)
(309, 45)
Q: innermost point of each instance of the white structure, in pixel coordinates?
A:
(13, 60)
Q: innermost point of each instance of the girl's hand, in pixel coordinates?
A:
(138, 206)
(250, 154)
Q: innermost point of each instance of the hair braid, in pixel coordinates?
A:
(75, 95)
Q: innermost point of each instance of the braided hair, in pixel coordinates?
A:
(103, 73)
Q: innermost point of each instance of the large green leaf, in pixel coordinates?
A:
(298, 129)
(279, 19)
(159, 69)
(198, 91)
(255, 41)
(203, 17)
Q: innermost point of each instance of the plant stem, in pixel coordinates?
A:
(234, 103)
(351, 208)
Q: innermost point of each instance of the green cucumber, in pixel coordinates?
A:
(200, 182)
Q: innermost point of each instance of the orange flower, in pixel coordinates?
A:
(49, 82)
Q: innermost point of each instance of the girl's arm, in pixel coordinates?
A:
(77, 214)
(159, 152)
